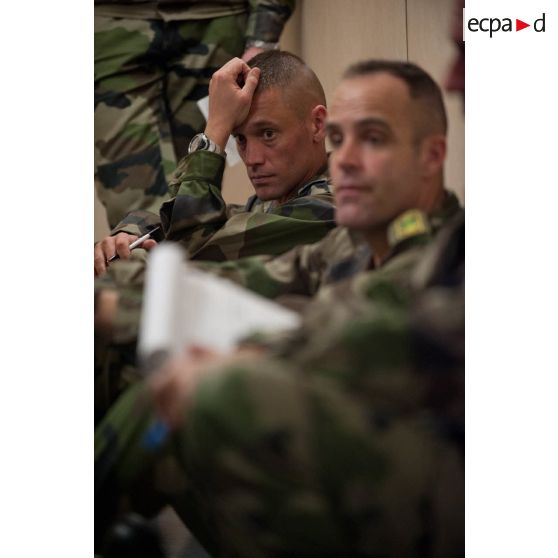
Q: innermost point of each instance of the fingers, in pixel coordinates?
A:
(122, 243)
(109, 247)
(228, 74)
(235, 67)
(171, 387)
(200, 351)
(251, 81)
(99, 260)
(231, 91)
(103, 251)
(148, 244)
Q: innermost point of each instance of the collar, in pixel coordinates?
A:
(410, 224)
(415, 226)
(320, 181)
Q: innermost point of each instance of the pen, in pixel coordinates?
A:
(135, 244)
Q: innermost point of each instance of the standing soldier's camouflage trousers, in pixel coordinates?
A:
(149, 74)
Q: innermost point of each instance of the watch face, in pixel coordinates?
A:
(199, 142)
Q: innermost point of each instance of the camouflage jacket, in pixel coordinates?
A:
(339, 255)
(266, 18)
(209, 229)
(351, 443)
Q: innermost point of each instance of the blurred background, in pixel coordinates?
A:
(329, 35)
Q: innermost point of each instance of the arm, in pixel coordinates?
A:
(302, 220)
(197, 209)
(300, 271)
(266, 21)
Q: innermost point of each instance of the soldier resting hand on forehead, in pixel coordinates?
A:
(275, 107)
(153, 62)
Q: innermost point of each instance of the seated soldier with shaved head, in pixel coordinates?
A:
(275, 107)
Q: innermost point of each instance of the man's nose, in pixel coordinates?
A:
(253, 153)
(347, 155)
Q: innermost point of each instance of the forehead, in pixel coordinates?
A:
(378, 95)
(269, 107)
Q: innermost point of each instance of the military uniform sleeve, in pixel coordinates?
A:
(138, 223)
(267, 19)
(302, 220)
(197, 209)
(296, 272)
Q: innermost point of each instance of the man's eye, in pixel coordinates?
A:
(335, 139)
(240, 140)
(374, 139)
(269, 134)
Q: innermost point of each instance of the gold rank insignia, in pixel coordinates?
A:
(407, 225)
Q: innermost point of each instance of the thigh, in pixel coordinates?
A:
(295, 466)
(130, 120)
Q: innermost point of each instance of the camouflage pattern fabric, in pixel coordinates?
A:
(266, 18)
(149, 75)
(306, 268)
(292, 279)
(210, 230)
(348, 443)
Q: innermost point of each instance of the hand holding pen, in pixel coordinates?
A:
(119, 246)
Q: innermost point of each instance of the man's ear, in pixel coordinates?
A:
(318, 122)
(433, 154)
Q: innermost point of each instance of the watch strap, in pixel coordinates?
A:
(200, 142)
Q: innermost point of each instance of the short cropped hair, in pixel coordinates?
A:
(422, 88)
(288, 73)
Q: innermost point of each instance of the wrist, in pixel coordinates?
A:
(202, 142)
(218, 135)
(264, 45)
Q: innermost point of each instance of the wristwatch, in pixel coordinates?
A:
(256, 43)
(200, 142)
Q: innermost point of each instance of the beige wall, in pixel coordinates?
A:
(331, 34)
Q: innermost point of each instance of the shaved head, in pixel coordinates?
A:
(287, 73)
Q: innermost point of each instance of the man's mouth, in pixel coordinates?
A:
(258, 179)
(349, 188)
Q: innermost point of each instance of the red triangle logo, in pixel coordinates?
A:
(519, 25)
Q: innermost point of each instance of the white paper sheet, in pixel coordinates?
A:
(185, 306)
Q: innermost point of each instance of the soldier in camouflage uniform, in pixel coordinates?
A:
(153, 62)
(293, 203)
(344, 438)
(285, 159)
